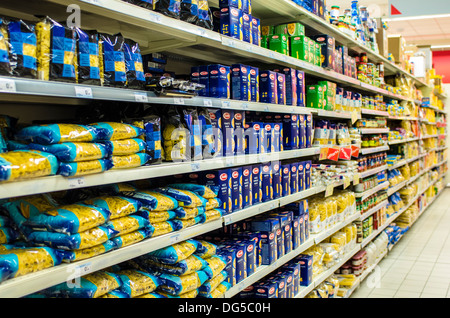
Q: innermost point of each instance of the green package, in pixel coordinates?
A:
(267, 30)
(279, 43)
(299, 47)
(312, 50)
(265, 41)
(290, 29)
(317, 55)
(315, 97)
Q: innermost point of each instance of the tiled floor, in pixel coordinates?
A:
(419, 265)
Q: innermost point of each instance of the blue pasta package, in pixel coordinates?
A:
(231, 22)
(268, 87)
(219, 85)
(240, 82)
(247, 195)
(246, 27)
(236, 188)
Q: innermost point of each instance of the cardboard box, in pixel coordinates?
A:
(246, 27)
(219, 81)
(268, 87)
(231, 22)
(240, 82)
(279, 43)
(396, 45)
(382, 39)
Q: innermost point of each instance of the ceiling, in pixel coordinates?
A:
(418, 31)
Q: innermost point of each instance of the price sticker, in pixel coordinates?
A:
(76, 182)
(83, 92)
(155, 17)
(141, 97)
(195, 166)
(356, 178)
(7, 86)
(354, 115)
(329, 190)
(207, 103)
(178, 101)
(174, 238)
(84, 269)
(346, 182)
(226, 104)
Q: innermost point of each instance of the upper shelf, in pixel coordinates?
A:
(156, 32)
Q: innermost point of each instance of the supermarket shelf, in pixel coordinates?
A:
(30, 283)
(403, 118)
(324, 234)
(400, 163)
(374, 112)
(366, 131)
(401, 141)
(366, 194)
(429, 136)
(373, 210)
(394, 189)
(373, 171)
(366, 151)
(56, 183)
(334, 114)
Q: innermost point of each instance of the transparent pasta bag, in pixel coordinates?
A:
(189, 11)
(170, 8)
(205, 18)
(56, 51)
(5, 48)
(133, 64)
(23, 54)
(112, 57)
(88, 57)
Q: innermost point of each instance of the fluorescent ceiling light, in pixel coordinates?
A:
(440, 47)
(420, 17)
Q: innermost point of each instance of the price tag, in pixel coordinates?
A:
(228, 219)
(195, 166)
(207, 102)
(244, 106)
(7, 86)
(83, 92)
(356, 178)
(174, 238)
(76, 182)
(84, 269)
(141, 97)
(346, 182)
(226, 104)
(154, 17)
(178, 101)
(329, 190)
(266, 108)
(201, 31)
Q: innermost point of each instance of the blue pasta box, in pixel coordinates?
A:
(280, 279)
(266, 138)
(241, 261)
(247, 6)
(294, 268)
(283, 234)
(307, 179)
(230, 268)
(301, 175)
(239, 132)
(230, 3)
(216, 123)
(268, 247)
(277, 137)
(288, 231)
(247, 292)
(276, 179)
(290, 131)
(291, 86)
(306, 217)
(204, 80)
(266, 184)
(195, 74)
(302, 131)
(231, 22)
(254, 84)
(228, 132)
(219, 181)
(281, 89)
(301, 88)
(308, 130)
(285, 179)
(254, 237)
(246, 27)
(266, 289)
(268, 87)
(294, 177)
(256, 31)
(252, 137)
(236, 188)
(240, 82)
(219, 81)
(246, 186)
(306, 269)
(290, 288)
(296, 241)
(256, 183)
(250, 255)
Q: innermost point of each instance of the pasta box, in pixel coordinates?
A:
(215, 115)
(276, 179)
(252, 137)
(204, 80)
(246, 27)
(228, 132)
(281, 88)
(294, 177)
(266, 184)
(285, 179)
(230, 268)
(266, 289)
(236, 188)
(219, 81)
(290, 75)
(327, 48)
(308, 130)
(254, 84)
(230, 3)
(220, 181)
(240, 82)
(301, 176)
(301, 88)
(268, 87)
(279, 43)
(306, 267)
(239, 130)
(256, 31)
(231, 22)
(256, 183)
(277, 137)
(290, 131)
(246, 186)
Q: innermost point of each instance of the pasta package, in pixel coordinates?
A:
(216, 264)
(188, 213)
(176, 285)
(129, 161)
(70, 169)
(112, 66)
(211, 284)
(116, 293)
(162, 228)
(187, 266)
(148, 4)
(204, 191)
(154, 201)
(211, 215)
(185, 198)
(170, 8)
(185, 223)
(220, 290)
(188, 294)
(23, 53)
(77, 241)
(127, 224)
(19, 262)
(74, 151)
(118, 206)
(88, 57)
(85, 253)
(205, 249)
(25, 164)
(152, 135)
(189, 11)
(174, 253)
(5, 221)
(176, 137)
(92, 285)
(133, 237)
(136, 282)
(8, 235)
(5, 65)
(56, 51)
(151, 295)
(156, 216)
(125, 147)
(69, 219)
(59, 133)
(118, 131)
(134, 65)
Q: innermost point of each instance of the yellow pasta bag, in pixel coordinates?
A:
(136, 282)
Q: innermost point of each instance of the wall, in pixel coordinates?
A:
(441, 62)
(446, 107)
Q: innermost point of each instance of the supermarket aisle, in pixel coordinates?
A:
(418, 266)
